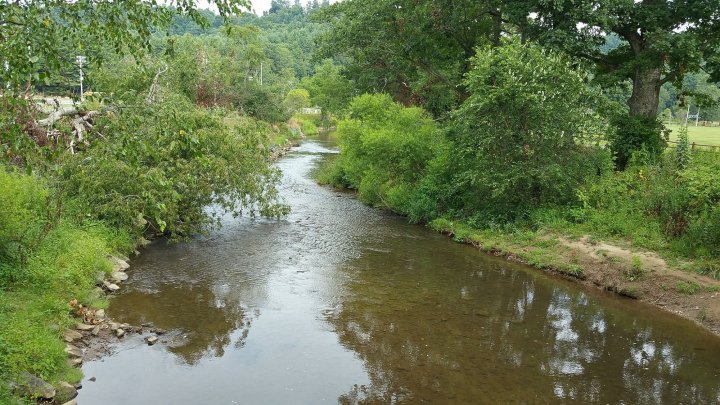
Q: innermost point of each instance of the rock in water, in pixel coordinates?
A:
(65, 392)
(110, 286)
(31, 386)
(73, 351)
(72, 335)
(118, 263)
(120, 333)
(119, 276)
(96, 330)
(151, 340)
(71, 402)
(84, 326)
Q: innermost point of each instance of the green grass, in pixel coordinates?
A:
(34, 310)
(700, 135)
(688, 288)
(44, 263)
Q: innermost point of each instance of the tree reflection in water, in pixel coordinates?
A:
(452, 326)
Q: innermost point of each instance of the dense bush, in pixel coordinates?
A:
(527, 136)
(386, 151)
(637, 134)
(658, 205)
(181, 159)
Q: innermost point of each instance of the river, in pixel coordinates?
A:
(340, 302)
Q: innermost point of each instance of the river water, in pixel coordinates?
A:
(340, 302)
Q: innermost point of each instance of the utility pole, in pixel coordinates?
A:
(80, 60)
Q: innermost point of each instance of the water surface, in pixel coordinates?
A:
(340, 302)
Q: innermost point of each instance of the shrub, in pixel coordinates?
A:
(646, 136)
(387, 149)
(181, 159)
(526, 136)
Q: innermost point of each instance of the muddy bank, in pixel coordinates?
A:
(640, 275)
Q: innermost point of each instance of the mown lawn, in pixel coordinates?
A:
(700, 135)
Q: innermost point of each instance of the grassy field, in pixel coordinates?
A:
(699, 135)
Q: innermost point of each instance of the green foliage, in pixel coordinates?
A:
(386, 151)
(308, 123)
(60, 261)
(295, 100)
(32, 30)
(682, 152)
(182, 159)
(689, 288)
(658, 206)
(23, 220)
(411, 49)
(651, 51)
(635, 271)
(638, 137)
(526, 137)
(328, 88)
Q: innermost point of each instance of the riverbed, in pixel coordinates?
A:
(341, 302)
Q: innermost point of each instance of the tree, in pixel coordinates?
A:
(30, 31)
(662, 40)
(295, 100)
(526, 136)
(415, 50)
(328, 88)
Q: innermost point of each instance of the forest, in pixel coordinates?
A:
(505, 124)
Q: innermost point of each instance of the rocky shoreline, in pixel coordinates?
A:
(91, 338)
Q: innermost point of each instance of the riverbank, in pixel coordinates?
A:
(664, 281)
(62, 240)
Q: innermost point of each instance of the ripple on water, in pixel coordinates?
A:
(342, 302)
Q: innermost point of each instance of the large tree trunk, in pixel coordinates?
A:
(645, 92)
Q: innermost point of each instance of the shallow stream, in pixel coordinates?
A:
(340, 302)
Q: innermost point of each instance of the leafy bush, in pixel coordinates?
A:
(386, 151)
(181, 159)
(526, 136)
(658, 205)
(637, 134)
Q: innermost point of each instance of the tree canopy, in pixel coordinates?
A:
(31, 32)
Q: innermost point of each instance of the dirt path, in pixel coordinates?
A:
(649, 278)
